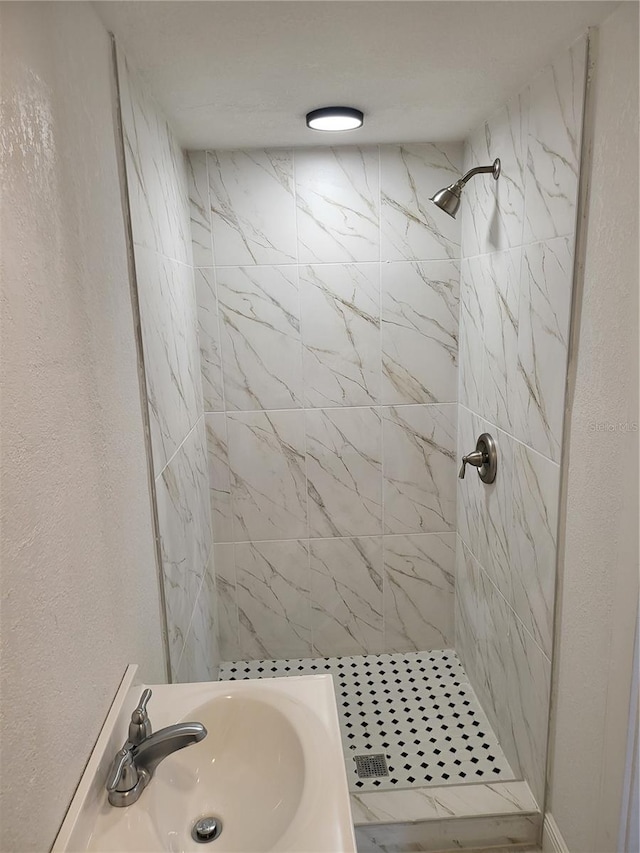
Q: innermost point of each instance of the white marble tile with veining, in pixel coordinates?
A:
(346, 596)
(226, 598)
(507, 833)
(420, 332)
(344, 461)
(267, 463)
(466, 610)
(553, 160)
(273, 599)
(337, 192)
(253, 215)
(340, 313)
(219, 479)
(492, 211)
(184, 523)
(419, 591)
(209, 340)
(198, 183)
(200, 657)
(457, 801)
(469, 517)
(543, 332)
(413, 228)
(536, 488)
(473, 303)
(419, 468)
(156, 171)
(502, 291)
(170, 341)
(260, 331)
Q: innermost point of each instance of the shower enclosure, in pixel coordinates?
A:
(352, 343)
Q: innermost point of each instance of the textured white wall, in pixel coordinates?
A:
(599, 577)
(79, 578)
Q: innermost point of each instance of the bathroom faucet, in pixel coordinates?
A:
(134, 765)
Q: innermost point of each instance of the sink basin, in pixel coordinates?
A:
(271, 769)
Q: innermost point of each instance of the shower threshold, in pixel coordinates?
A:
(448, 783)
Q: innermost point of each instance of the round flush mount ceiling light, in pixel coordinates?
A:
(335, 119)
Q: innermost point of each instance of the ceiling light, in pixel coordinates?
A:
(335, 118)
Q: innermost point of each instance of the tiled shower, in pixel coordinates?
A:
(353, 343)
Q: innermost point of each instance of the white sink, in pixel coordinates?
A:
(271, 768)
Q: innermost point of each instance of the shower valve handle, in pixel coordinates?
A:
(476, 457)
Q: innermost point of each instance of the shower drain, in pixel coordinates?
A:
(371, 766)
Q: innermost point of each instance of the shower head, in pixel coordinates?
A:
(448, 198)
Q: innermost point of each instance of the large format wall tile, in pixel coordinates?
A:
(156, 172)
(201, 655)
(493, 211)
(419, 589)
(260, 329)
(219, 478)
(252, 207)
(185, 533)
(473, 302)
(340, 313)
(346, 596)
(419, 469)
(169, 336)
(543, 331)
(224, 568)
(536, 489)
(273, 599)
(267, 462)
(209, 339)
(337, 192)
(420, 332)
(555, 127)
(412, 227)
(344, 460)
(198, 182)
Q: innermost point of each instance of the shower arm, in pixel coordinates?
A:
(494, 169)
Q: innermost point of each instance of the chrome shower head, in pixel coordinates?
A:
(448, 198)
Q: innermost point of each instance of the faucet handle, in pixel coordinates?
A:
(123, 775)
(140, 725)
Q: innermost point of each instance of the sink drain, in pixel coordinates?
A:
(206, 829)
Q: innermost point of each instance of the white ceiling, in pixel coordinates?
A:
(241, 74)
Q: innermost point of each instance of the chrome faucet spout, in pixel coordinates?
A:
(134, 765)
(154, 749)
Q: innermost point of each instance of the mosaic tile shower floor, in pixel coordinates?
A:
(416, 709)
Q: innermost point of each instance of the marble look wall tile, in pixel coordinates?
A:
(156, 172)
(168, 321)
(419, 591)
(184, 522)
(470, 520)
(337, 192)
(224, 569)
(419, 469)
(420, 332)
(501, 337)
(543, 331)
(344, 453)
(493, 211)
(340, 313)
(465, 609)
(267, 463)
(219, 478)
(346, 596)
(260, 329)
(536, 488)
(555, 127)
(412, 227)
(273, 599)
(209, 339)
(473, 302)
(252, 200)
(201, 658)
(198, 183)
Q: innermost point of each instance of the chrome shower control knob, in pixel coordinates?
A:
(484, 458)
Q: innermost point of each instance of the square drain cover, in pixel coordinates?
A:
(370, 766)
